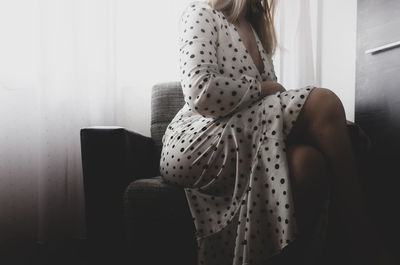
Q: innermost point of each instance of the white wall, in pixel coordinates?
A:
(337, 60)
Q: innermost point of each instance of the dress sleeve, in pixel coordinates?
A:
(206, 89)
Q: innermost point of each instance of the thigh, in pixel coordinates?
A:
(185, 158)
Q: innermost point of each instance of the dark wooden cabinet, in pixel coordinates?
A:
(377, 111)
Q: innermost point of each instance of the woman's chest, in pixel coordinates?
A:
(250, 43)
(240, 53)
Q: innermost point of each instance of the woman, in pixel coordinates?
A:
(247, 151)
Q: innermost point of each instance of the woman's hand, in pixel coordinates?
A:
(270, 88)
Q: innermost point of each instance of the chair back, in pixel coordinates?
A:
(166, 100)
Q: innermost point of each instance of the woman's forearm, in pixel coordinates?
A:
(270, 87)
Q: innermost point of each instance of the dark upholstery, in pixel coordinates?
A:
(158, 223)
(130, 212)
(111, 159)
(157, 215)
(132, 215)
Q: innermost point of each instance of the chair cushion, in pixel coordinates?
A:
(158, 223)
(153, 199)
(166, 100)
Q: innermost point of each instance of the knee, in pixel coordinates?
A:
(308, 169)
(330, 107)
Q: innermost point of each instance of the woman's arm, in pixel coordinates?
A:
(207, 89)
(270, 88)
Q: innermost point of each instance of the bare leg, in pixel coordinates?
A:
(309, 178)
(322, 123)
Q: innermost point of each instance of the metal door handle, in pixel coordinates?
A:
(383, 47)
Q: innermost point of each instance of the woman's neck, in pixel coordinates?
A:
(241, 21)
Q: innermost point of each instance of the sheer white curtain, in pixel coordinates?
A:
(68, 64)
(298, 42)
(64, 65)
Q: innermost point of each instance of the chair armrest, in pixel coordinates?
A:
(116, 150)
(112, 157)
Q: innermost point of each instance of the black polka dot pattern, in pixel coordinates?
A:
(226, 146)
(209, 89)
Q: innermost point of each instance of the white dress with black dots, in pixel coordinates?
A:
(226, 146)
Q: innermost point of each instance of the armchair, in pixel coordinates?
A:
(132, 215)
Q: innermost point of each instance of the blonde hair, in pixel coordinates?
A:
(261, 17)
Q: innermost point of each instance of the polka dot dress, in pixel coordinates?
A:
(226, 146)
